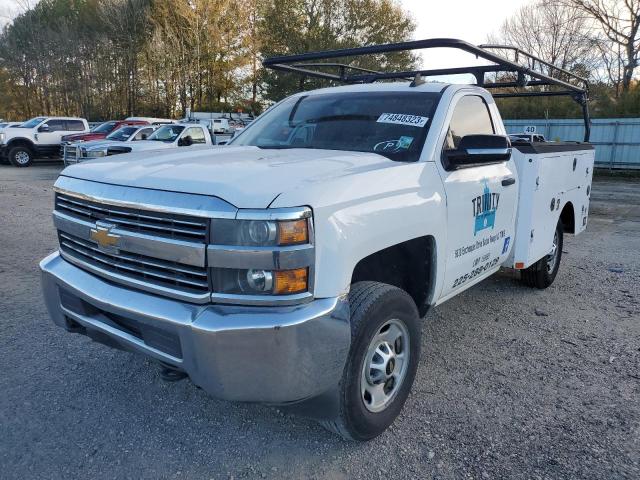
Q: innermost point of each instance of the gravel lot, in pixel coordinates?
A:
(513, 383)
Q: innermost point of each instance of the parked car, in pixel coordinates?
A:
(38, 137)
(100, 131)
(221, 125)
(294, 266)
(152, 120)
(167, 136)
(526, 137)
(4, 125)
(78, 152)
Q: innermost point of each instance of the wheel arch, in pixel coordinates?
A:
(568, 218)
(409, 265)
(21, 142)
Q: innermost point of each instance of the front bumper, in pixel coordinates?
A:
(258, 354)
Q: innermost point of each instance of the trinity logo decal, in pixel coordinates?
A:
(484, 209)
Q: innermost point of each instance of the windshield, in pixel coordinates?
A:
(105, 127)
(393, 124)
(122, 134)
(33, 122)
(168, 133)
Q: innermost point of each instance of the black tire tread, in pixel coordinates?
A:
(16, 164)
(536, 275)
(361, 297)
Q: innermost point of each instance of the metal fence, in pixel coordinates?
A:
(617, 140)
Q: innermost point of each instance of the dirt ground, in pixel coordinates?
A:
(513, 382)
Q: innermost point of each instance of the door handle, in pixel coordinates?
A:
(508, 181)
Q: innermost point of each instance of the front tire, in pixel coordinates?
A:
(382, 362)
(542, 273)
(21, 156)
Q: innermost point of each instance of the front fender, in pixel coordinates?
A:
(20, 141)
(360, 214)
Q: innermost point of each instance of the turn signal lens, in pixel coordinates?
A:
(290, 281)
(294, 232)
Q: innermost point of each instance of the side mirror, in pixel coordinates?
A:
(478, 150)
(185, 141)
(43, 128)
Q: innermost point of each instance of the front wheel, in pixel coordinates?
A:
(542, 273)
(382, 362)
(21, 156)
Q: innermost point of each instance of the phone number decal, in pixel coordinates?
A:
(475, 272)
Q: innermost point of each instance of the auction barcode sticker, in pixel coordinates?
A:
(403, 119)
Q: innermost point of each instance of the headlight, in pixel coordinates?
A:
(262, 256)
(261, 282)
(260, 232)
(1, 137)
(95, 153)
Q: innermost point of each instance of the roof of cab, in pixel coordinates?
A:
(430, 87)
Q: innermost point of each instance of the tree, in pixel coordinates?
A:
(558, 34)
(127, 22)
(296, 26)
(619, 20)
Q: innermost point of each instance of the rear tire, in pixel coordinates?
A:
(21, 156)
(382, 363)
(542, 273)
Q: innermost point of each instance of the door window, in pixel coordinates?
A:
(143, 134)
(56, 125)
(471, 116)
(196, 134)
(75, 125)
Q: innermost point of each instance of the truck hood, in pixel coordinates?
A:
(91, 144)
(17, 131)
(247, 177)
(77, 137)
(141, 145)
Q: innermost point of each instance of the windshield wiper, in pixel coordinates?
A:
(276, 147)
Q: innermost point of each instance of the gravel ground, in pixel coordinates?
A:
(513, 383)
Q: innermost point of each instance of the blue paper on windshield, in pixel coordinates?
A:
(405, 142)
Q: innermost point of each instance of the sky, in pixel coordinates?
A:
(470, 20)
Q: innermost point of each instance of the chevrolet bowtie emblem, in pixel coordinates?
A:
(103, 237)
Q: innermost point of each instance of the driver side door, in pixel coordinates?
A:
(53, 135)
(481, 202)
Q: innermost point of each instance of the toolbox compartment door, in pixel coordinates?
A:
(548, 182)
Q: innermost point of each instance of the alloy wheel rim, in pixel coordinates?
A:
(22, 158)
(385, 365)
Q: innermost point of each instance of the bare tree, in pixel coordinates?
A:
(558, 34)
(611, 71)
(620, 23)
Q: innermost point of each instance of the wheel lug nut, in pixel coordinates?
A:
(391, 365)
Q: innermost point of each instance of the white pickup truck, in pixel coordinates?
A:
(165, 137)
(295, 265)
(38, 137)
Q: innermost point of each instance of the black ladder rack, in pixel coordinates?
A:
(571, 85)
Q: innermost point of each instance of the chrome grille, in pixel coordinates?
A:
(149, 270)
(177, 227)
(69, 153)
